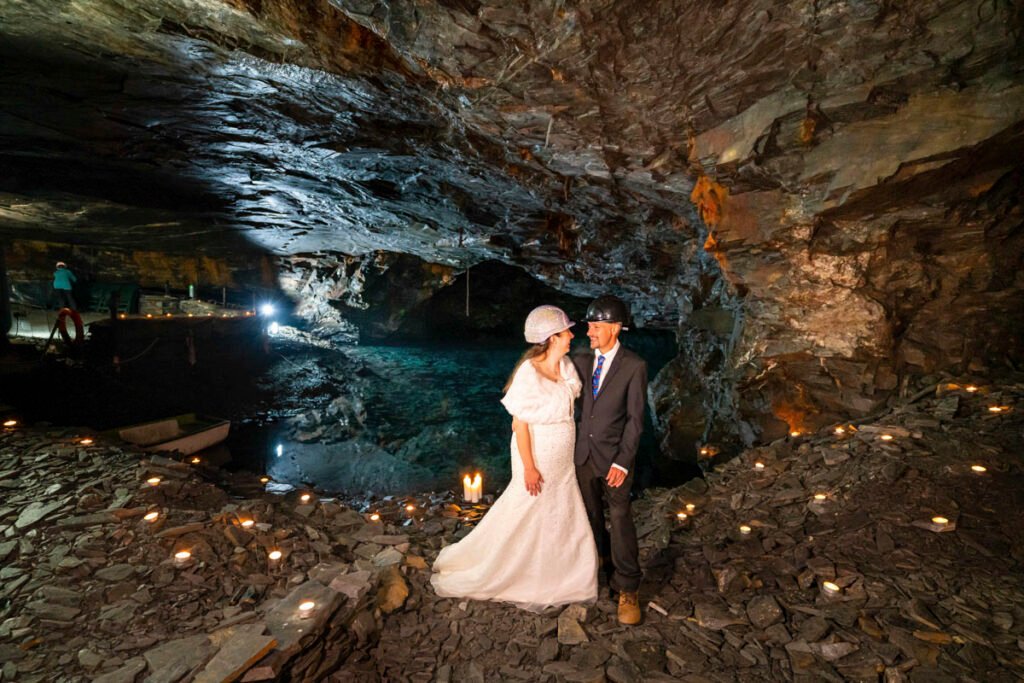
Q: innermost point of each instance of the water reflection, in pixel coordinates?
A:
(403, 419)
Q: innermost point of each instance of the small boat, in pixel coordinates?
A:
(186, 434)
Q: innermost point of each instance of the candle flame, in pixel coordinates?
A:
(151, 516)
(274, 554)
(153, 481)
(794, 433)
(979, 468)
(886, 437)
(840, 430)
(264, 480)
(970, 388)
(11, 423)
(410, 507)
(759, 465)
(247, 523)
(307, 606)
(196, 461)
(744, 529)
(820, 496)
(940, 520)
(690, 507)
(681, 515)
(304, 498)
(996, 409)
(86, 441)
(375, 517)
(182, 555)
(831, 587)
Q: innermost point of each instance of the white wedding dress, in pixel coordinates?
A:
(534, 551)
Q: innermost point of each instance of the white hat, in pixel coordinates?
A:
(545, 321)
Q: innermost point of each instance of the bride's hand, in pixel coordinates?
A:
(533, 481)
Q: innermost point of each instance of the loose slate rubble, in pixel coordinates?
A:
(848, 587)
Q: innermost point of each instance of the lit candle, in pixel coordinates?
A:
(182, 556)
(840, 431)
(472, 488)
(86, 441)
(820, 496)
(681, 516)
(744, 529)
(122, 316)
(758, 465)
(196, 461)
(996, 409)
(831, 588)
(149, 315)
(886, 437)
(307, 607)
(11, 423)
(247, 523)
(274, 555)
(690, 507)
(704, 451)
(410, 507)
(970, 388)
(264, 480)
(304, 497)
(980, 469)
(151, 516)
(153, 481)
(941, 521)
(375, 517)
(795, 433)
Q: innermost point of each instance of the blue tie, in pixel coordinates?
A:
(596, 382)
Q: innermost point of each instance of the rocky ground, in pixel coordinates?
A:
(818, 557)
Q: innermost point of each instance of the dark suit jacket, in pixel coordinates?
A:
(608, 428)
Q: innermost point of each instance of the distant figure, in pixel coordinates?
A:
(63, 279)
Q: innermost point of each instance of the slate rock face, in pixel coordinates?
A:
(822, 199)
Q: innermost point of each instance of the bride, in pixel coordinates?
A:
(534, 547)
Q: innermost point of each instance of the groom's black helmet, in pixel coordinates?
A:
(608, 309)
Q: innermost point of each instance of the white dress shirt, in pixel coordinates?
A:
(604, 372)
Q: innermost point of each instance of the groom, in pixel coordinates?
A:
(611, 418)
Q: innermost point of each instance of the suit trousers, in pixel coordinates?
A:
(621, 542)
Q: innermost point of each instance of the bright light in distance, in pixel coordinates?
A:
(279, 450)
(268, 309)
(274, 328)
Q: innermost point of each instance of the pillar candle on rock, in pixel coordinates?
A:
(472, 488)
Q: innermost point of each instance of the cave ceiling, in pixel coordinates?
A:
(810, 186)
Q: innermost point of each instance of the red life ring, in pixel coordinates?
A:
(62, 326)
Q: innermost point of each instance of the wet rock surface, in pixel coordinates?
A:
(901, 561)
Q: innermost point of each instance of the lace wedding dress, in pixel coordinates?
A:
(534, 551)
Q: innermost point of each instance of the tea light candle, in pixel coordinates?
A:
(758, 465)
(274, 555)
(151, 516)
(86, 441)
(681, 516)
(744, 529)
(886, 437)
(153, 481)
(196, 461)
(410, 507)
(10, 423)
(247, 523)
(831, 588)
(375, 517)
(997, 409)
(795, 433)
(264, 480)
(704, 451)
(307, 606)
(940, 521)
(305, 497)
(820, 496)
(840, 431)
(690, 507)
(970, 388)
(182, 556)
(980, 469)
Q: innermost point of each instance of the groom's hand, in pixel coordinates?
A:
(615, 477)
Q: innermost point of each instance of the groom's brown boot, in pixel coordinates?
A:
(629, 608)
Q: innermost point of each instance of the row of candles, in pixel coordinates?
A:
(247, 314)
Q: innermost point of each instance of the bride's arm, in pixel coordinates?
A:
(525, 446)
